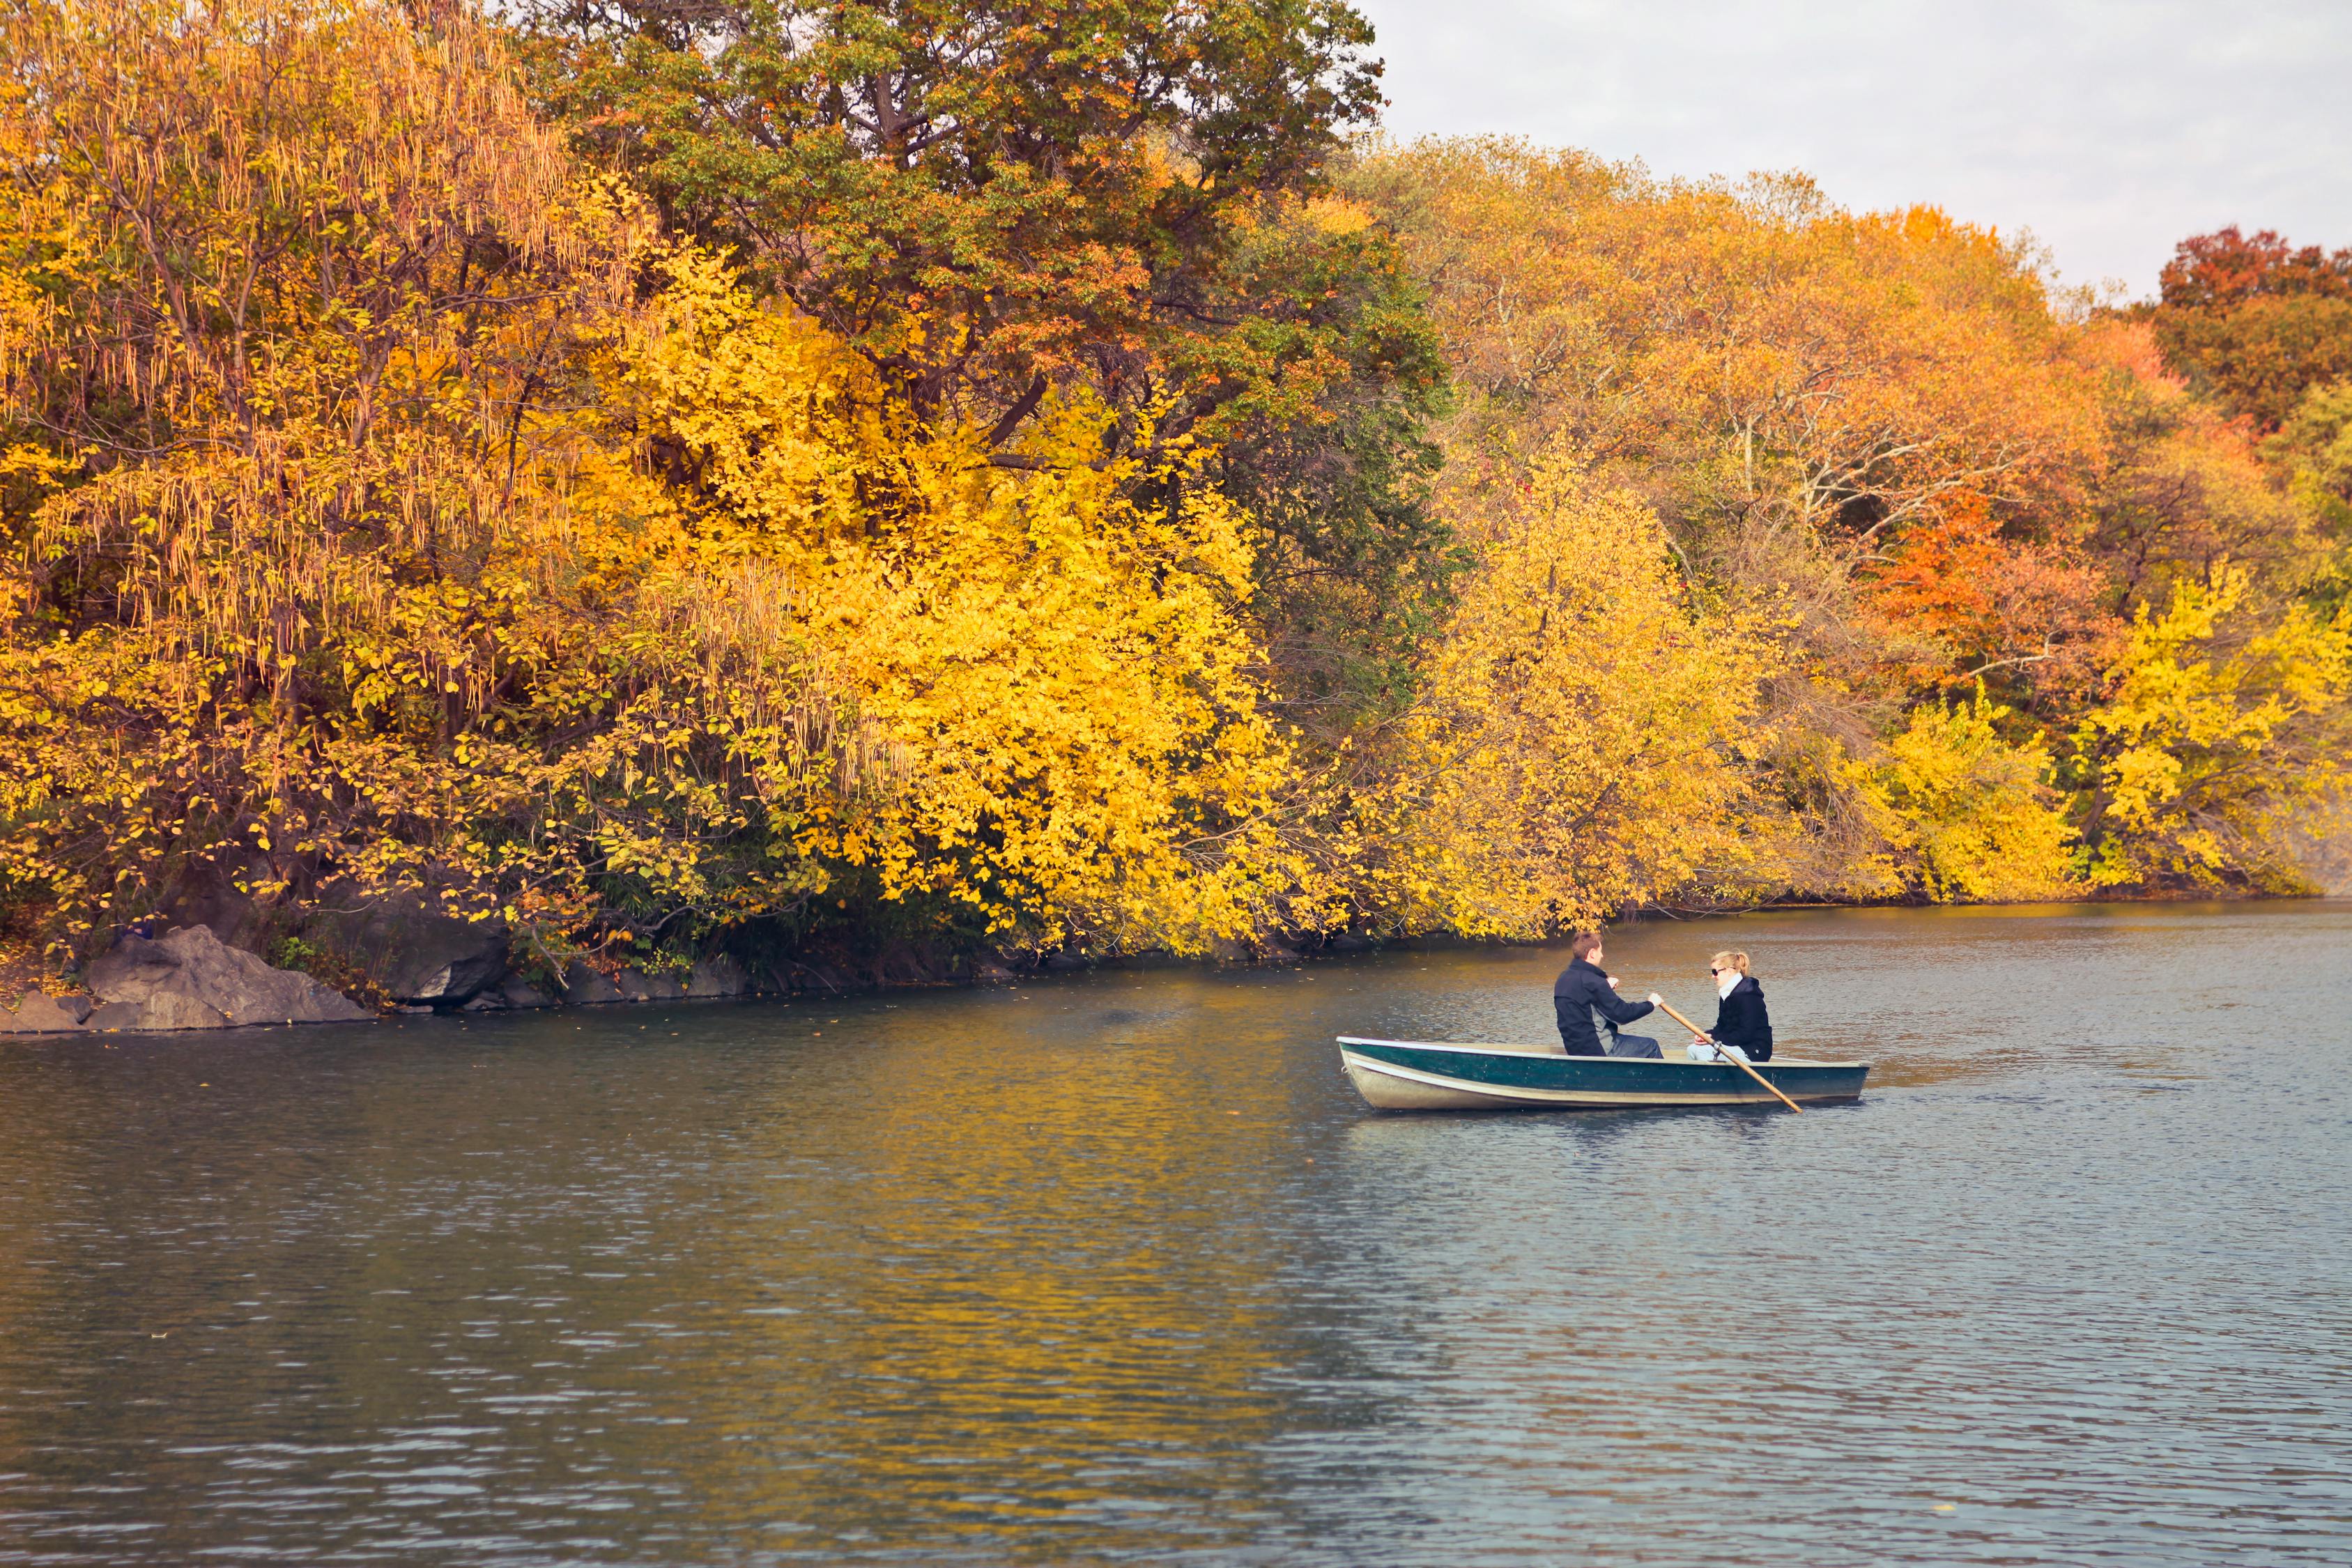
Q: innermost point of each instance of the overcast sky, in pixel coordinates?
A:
(2110, 129)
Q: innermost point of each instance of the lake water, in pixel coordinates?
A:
(1117, 1269)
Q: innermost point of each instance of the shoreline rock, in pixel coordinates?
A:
(192, 980)
(416, 951)
(187, 979)
(42, 1014)
(176, 981)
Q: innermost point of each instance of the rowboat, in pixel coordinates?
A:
(1414, 1075)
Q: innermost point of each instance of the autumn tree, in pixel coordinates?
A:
(990, 202)
(1063, 733)
(2314, 449)
(2223, 733)
(390, 507)
(2181, 490)
(1965, 813)
(1581, 739)
(291, 292)
(1796, 387)
(2257, 321)
(981, 198)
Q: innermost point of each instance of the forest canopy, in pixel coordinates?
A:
(659, 479)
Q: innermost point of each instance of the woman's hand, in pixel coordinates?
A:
(1656, 1000)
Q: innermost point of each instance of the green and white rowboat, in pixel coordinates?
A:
(1414, 1075)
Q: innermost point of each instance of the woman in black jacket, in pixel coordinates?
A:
(1739, 1017)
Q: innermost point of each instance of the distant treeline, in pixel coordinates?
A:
(666, 477)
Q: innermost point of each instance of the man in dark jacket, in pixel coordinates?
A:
(1583, 990)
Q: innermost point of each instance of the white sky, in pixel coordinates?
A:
(2110, 129)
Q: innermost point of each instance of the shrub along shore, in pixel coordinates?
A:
(669, 499)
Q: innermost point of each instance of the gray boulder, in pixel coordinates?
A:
(164, 1010)
(411, 946)
(207, 895)
(637, 985)
(907, 964)
(585, 985)
(42, 1014)
(191, 980)
(718, 975)
(522, 992)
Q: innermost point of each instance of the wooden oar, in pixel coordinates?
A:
(1722, 1053)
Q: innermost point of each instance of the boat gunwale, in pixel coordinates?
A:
(1778, 1061)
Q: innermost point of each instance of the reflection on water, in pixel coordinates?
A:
(1119, 1269)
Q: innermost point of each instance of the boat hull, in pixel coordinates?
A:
(1408, 1075)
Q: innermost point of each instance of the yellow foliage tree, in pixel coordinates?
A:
(295, 292)
(1967, 815)
(1059, 673)
(1579, 742)
(2316, 447)
(2220, 728)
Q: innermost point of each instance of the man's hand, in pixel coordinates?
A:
(1612, 980)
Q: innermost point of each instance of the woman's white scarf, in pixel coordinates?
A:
(1724, 982)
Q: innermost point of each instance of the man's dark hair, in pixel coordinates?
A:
(1584, 943)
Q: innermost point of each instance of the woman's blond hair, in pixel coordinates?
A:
(1737, 960)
